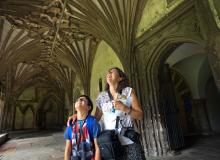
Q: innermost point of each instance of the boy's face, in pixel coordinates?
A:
(81, 104)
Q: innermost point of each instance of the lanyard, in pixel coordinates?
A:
(80, 131)
(113, 110)
(111, 99)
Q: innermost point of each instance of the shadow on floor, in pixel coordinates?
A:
(191, 140)
(21, 134)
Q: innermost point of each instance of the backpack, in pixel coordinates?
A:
(110, 146)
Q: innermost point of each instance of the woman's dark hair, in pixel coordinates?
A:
(89, 102)
(122, 84)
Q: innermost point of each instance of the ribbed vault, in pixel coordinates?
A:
(43, 26)
(113, 21)
(52, 36)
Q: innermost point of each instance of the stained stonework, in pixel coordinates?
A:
(215, 7)
(213, 49)
(154, 11)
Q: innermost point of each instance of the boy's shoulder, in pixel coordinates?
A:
(91, 118)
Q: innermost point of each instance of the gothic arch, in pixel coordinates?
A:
(50, 104)
(25, 116)
(204, 77)
(153, 48)
(28, 117)
(157, 58)
(102, 62)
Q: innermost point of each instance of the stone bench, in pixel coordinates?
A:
(3, 138)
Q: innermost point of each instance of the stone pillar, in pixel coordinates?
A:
(213, 50)
(152, 128)
(35, 118)
(202, 120)
(2, 105)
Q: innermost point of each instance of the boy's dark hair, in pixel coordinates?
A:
(122, 84)
(89, 102)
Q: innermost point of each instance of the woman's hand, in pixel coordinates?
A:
(71, 118)
(135, 111)
(120, 106)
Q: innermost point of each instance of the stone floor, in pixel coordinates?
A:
(50, 146)
(34, 146)
(205, 148)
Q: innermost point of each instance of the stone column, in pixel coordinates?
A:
(213, 50)
(201, 117)
(151, 127)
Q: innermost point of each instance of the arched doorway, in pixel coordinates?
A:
(24, 117)
(184, 72)
(213, 105)
(49, 114)
(184, 102)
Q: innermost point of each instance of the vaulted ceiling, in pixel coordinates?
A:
(53, 41)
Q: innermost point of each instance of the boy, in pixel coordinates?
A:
(81, 134)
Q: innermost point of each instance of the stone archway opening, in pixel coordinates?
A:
(183, 76)
(49, 114)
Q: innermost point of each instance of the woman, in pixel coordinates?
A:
(119, 101)
(81, 133)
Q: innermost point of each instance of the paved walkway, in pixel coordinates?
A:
(206, 148)
(50, 146)
(46, 146)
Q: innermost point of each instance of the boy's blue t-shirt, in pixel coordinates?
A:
(95, 129)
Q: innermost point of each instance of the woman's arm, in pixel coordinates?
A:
(135, 111)
(97, 150)
(71, 119)
(98, 113)
(67, 152)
